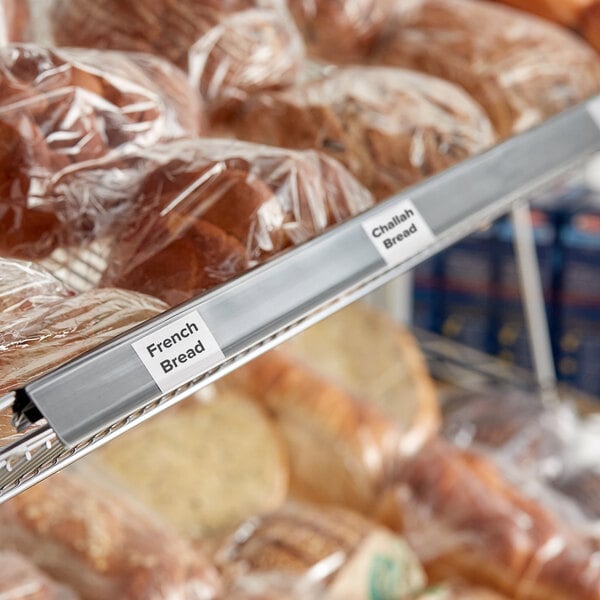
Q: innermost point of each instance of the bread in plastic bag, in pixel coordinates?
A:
(566, 12)
(22, 580)
(458, 590)
(465, 519)
(50, 334)
(59, 107)
(339, 31)
(350, 557)
(24, 286)
(203, 211)
(342, 450)
(91, 536)
(389, 127)
(206, 465)
(520, 68)
(14, 21)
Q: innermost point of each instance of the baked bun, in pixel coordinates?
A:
(206, 465)
(353, 445)
(59, 107)
(521, 69)
(349, 556)
(203, 211)
(380, 363)
(20, 579)
(338, 31)
(102, 544)
(53, 333)
(465, 519)
(389, 127)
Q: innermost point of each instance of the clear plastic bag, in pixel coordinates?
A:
(201, 212)
(59, 107)
(464, 519)
(49, 334)
(22, 580)
(349, 557)
(340, 31)
(389, 127)
(520, 68)
(88, 534)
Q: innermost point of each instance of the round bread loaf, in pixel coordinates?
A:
(390, 128)
(206, 465)
(521, 69)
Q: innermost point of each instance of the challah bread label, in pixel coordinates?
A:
(399, 232)
(383, 567)
(179, 351)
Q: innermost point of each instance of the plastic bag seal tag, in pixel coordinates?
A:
(398, 232)
(179, 351)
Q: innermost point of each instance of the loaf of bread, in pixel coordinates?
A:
(338, 31)
(59, 107)
(14, 21)
(24, 286)
(521, 69)
(99, 542)
(590, 24)
(205, 465)
(341, 450)
(464, 519)
(351, 557)
(379, 362)
(48, 335)
(20, 579)
(389, 127)
(203, 211)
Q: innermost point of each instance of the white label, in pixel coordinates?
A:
(179, 351)
(383, 567)
(593, 108)
(399, 232)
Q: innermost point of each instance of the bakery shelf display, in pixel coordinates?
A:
(80, 405)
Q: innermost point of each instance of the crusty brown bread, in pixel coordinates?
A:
(20, 579)
(329, 546)
(206, 465)
(322, 424)
(389, 127)
(590, 24)
(378, 361)
(464, 519)
(566, 12)
(521, 69)
(340, 31)
(102, 544)
(52, 333)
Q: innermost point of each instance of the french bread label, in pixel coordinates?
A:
(399, 232)
(179, 351)
(593, 107)
(382, 568)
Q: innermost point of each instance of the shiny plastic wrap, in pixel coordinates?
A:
(50, 334)
(203, 211)
(348, 556)
(520, 68)
(14, 21)
(89, 535)
(464, 519)
(24, 286)
(22, 580)
(230, 48)
(206, 465)
(389, 127)
(59, 107)
(340, 31)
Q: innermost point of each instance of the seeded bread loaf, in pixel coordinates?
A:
(389, 127)
(521, 69)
